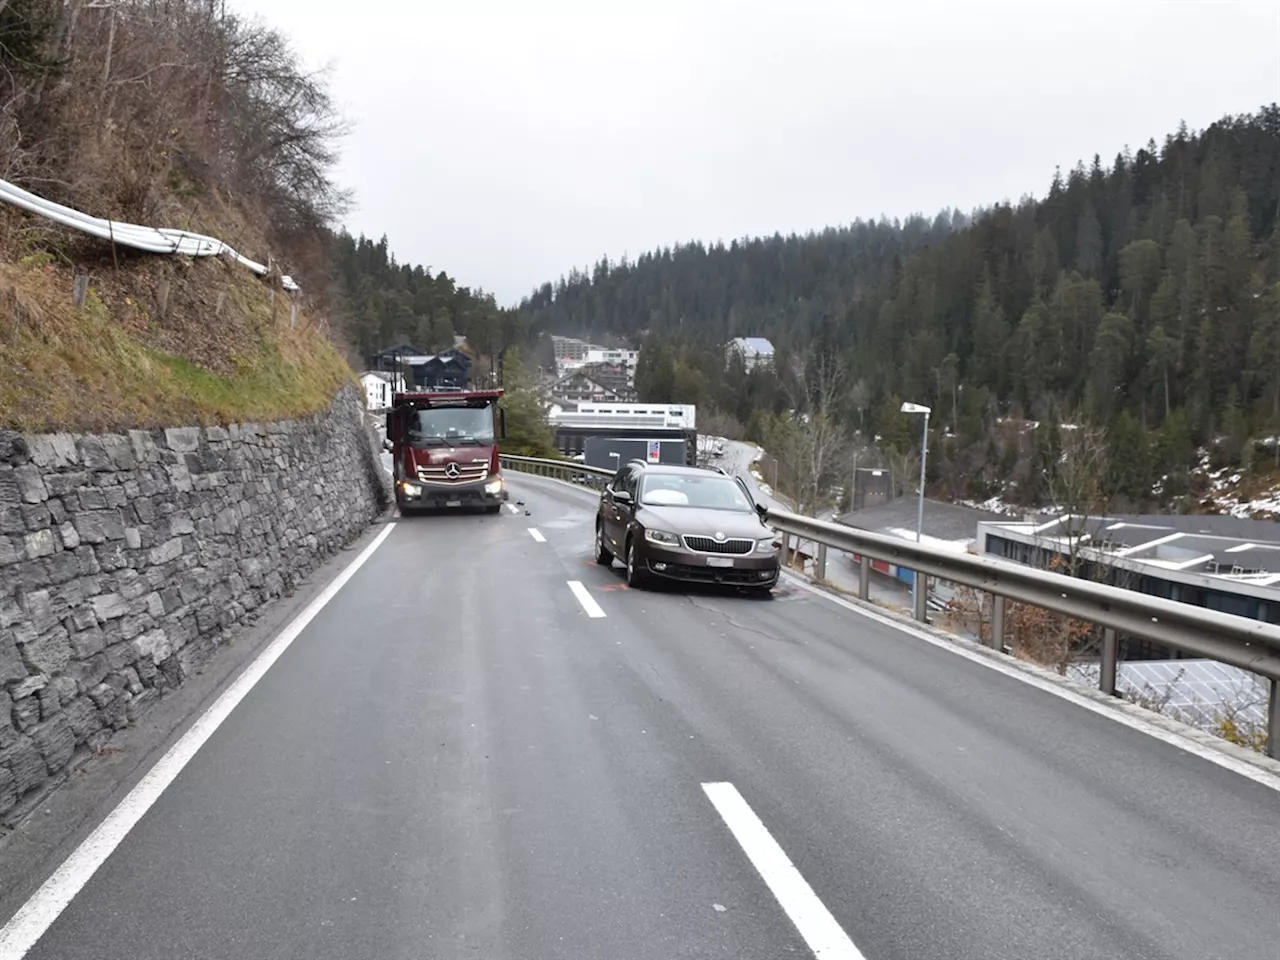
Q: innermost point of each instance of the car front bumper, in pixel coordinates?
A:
(746, 570)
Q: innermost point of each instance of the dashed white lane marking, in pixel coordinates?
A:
(812, 919)
(28, 925)
(513, 508)
(1119, 711)
(586, 599)
(537, 535)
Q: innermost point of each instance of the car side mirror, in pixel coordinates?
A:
(622, 496)
(762, 510)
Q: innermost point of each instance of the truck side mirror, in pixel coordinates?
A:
(391, 420)
(502, 423)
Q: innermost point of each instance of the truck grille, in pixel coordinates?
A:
(467, 473)
(708, 545)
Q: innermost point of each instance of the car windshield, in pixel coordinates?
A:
(453, 425)
(693, 490)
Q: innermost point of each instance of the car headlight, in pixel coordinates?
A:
(768, 545)
(493, 486)
(661, 536)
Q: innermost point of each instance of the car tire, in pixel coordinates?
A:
(635, 576)
(493, 508)
(603, 556)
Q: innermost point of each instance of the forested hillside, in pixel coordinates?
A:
(380, 302)
(1141, 296)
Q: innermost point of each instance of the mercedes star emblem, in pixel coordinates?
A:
(452, 471)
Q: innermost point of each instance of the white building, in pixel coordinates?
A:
(664, 416)
(378, 388)
(619, 357)
(754, 351)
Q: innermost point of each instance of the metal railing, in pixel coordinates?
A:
(571, 471)
(1239, 641)
(148, 239)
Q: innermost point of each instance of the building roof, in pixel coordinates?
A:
(951, 522)
(378, 374)
(1227, 549)
(756, 345)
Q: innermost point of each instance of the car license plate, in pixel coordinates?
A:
(719, 561)
(453, 503)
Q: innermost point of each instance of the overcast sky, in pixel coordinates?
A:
(506, 141)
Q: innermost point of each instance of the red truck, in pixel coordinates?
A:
(445, 450)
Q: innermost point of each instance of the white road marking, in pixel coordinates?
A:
(28, 925)
(817, 926)
(586, 599)
(513, 508)
(537, 535)
(1129, 715)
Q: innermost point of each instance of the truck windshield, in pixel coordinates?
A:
(452, 425)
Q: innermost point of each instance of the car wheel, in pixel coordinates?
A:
(635, 574)
(603, 556)
(493, 508)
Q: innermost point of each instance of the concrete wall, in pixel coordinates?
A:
(126, 560)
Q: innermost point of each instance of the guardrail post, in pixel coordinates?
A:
(996, 640)
(1110, 656)
(786, 550)
(922, 596)
(864, 577)
(1273, 721)
(821, 563)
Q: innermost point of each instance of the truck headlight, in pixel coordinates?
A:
(410, 489)
(768, 545)
(661, 536)
(493, 486)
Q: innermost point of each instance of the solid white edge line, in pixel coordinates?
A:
(29, 924)
(819, 929)
(537, 535)
(584, 597)
(1115, 709)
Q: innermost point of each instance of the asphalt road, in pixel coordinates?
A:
(455, 760)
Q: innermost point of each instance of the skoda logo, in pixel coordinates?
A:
(452, 471)
(719, 535)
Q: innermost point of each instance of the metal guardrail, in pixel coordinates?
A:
(1239, 641)
(593, 478)
(148, 239)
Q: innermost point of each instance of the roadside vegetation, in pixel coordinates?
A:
(164, 114)
(183, 114)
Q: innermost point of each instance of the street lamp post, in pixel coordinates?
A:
(916, 594)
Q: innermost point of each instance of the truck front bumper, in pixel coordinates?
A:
(431, 496)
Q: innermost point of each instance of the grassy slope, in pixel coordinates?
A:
(218, 352)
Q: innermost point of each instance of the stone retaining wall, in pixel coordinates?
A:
(126, 560)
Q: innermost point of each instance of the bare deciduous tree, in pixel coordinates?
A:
(168, 110)
(812, 442)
